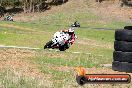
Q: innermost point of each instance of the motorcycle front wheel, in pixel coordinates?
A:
(48, 45)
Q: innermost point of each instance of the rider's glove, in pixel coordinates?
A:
(71, 41)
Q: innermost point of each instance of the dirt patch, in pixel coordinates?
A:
(16, 53)
(112, 11)
(59, 68)
(52, 55)
(15, 60)
(17, 27)
(28, 17)
(21, 67)
(70, 6)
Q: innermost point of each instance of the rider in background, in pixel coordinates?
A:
(70, 31)
(8, 17)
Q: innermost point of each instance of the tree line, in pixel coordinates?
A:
(124, 2)
(28, 5)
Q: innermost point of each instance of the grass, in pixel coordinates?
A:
(9, 79)
(71, 62)
(48, 60)
(18, 37)
(98, 35)
(59, 65)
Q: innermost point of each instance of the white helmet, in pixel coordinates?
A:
(71, 29)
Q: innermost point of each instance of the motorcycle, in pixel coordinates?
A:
(62, 40)
(8, 18)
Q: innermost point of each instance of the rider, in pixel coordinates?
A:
(70, 31)
(8, 17)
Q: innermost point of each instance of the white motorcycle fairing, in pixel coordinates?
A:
(60, 38)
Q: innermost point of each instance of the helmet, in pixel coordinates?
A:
(71, 30)
(76, 24)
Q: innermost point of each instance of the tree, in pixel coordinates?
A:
(127, 2)
(29, 5)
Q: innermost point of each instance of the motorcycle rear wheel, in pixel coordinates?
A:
(64, 47)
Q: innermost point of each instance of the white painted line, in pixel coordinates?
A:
(88, 53)
(106, 65)
(57, 50)
(50, 49)
(100, 55)
(76, 52)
